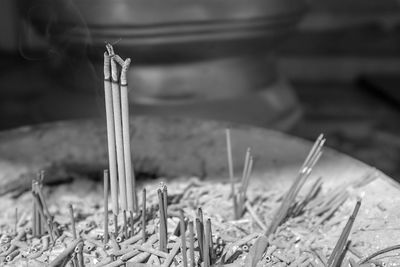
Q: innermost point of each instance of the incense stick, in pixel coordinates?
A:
(191, 242)
(105, 178)
(210, 240)
(143, 215)
(206, 246)
(172, 254)
(163, 229)
(118, 134)
(79, 253)
(335, 256)
(71, 214)
(65, 254)
(165, 203)
(16, 220)
(183, 238)
(231, 175)
(248, 166)
(129, 174)
(112, 161)
(34, 214)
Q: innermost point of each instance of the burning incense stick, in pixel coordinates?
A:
(143, 215)
(129, 174)
(112, 161)
(105, 178)
(118, 134)
(183, 238)
(231, 175)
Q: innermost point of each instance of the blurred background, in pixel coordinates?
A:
(302, 67)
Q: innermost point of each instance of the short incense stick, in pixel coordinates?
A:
(163, 229)
(231, 174)
(112, 161)
(340, 245)
(200, 232)
(71, 214)
(247, 169)
(118, 133)
(143, 215)
(165, 203)
(210, 242)
(129, 174)
(191, 243)
(125, 227)
(34, 213)
(183, 238)
(105, 177)
(16, 220)
(206, 246)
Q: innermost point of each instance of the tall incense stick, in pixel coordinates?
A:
(112, 161)
(118, 134)
(129, 174)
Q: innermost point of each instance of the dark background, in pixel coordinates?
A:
(343, 62)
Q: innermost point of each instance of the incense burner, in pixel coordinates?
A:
(175, 147)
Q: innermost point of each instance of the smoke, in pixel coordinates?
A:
(66, 46)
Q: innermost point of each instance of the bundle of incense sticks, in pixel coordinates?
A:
(304, 172)
(239, 199)
(41, 217)
(117, 115)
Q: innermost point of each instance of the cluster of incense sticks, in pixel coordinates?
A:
(41, 217)
(205, 243)
(204, 239)
(239, 200)
(122, 178)
(290, 197)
